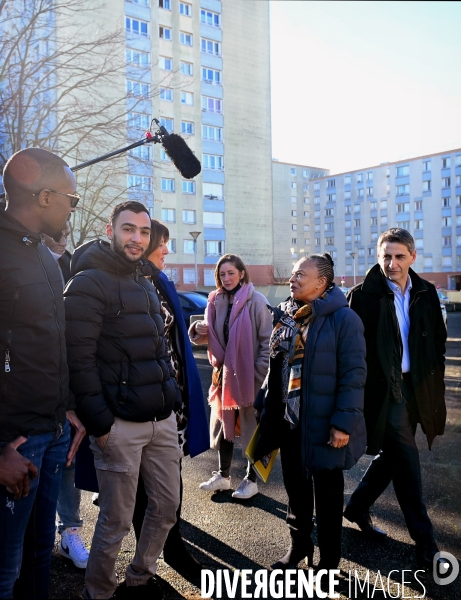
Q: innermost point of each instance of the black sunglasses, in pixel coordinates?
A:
(74, 198)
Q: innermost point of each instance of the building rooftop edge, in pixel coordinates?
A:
(282, 162)
(402, 160)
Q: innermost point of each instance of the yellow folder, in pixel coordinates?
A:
(264, 466)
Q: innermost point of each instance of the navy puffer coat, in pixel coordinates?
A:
(333, 380)
(116, 349)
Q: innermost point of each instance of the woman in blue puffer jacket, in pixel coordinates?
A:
(311, 406)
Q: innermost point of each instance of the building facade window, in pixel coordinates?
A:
(138, 120)
(294, 240)
(164, 155)
(293, 185)
(331, 183)
(210, 47)
(357, 238)
(446, 221)
(403, 189)
(446, 162)
(213, 134)
(347, 195)
(360, 193)
(136, 27)
(374, 221)
(369, 191)
(305, 172)
(356, 222)
(137, 58)
(210, 18)
(446, 202)
(329, 241)
(426, 165)
(165, 33)
(213, 161)
(188, 216)
(446, 240)
(370, 176)
(188, 187)
(294, 199)
(140, 182)
(186, 68)
(187, 127)
(185, 9)
(189, 248)
(293, 213)
(331, 198)
(213, 105)
(317, 186)
(427, 186)
(293, 171)
(171, 245)
(294, 227)
(137, 89)
(167, 185)
(167, 123)
(329, 226)
(166, 94)
(185, 38)
(165, 63)
(211, 76)
(446, 182)
(165, 4)
(402, 171)
(213, 219)
(418, 224)
(347, 179)
(169, 215)
(359, 178)
(214, 248)
(403, 207)
(418, 205)
(141, 152)
(329, 212)
(187, 98)
(317, 241)
(188, 275)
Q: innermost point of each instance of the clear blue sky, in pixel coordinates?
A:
(355, 84)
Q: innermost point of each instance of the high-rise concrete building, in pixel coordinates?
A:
(292, 209)
(202, 68)
(422, 195)
(210, 82)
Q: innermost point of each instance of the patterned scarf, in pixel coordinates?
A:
(289, 337)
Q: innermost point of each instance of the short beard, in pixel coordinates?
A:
(119, 249)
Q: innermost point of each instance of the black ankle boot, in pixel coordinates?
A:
(296, 553)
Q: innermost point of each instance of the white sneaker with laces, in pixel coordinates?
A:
(246, 490)
(72, 547)
(216, 483)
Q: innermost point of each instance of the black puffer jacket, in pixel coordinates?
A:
(117, 354)
(34, 382)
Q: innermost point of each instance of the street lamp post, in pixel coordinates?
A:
(195, 235)
(353, 254)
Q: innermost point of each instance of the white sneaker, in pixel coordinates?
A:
(71, 546)
(216, 483)
(247, 489)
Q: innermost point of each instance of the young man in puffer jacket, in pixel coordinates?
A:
(125, 395)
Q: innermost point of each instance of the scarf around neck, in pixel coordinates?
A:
(236, 358)
(289, 337)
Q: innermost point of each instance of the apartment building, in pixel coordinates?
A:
(422, 195)
(292, 208)
(196, 65)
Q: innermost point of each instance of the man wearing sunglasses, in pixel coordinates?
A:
(35, 406)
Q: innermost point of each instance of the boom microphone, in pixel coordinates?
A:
(181, 155)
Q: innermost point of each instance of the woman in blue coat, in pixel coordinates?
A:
(193, 432)
(312, 406)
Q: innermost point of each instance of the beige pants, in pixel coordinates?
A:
(150, 449)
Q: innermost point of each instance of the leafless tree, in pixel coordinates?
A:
(62, 87)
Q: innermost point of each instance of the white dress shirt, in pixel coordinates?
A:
(402, 309)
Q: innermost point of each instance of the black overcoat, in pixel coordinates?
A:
(373, 301)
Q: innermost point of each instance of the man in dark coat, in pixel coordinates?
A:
(405, 336)
(35, 406)
(121, 375)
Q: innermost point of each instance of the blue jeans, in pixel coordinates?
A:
(27, 525)
(69, 500)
